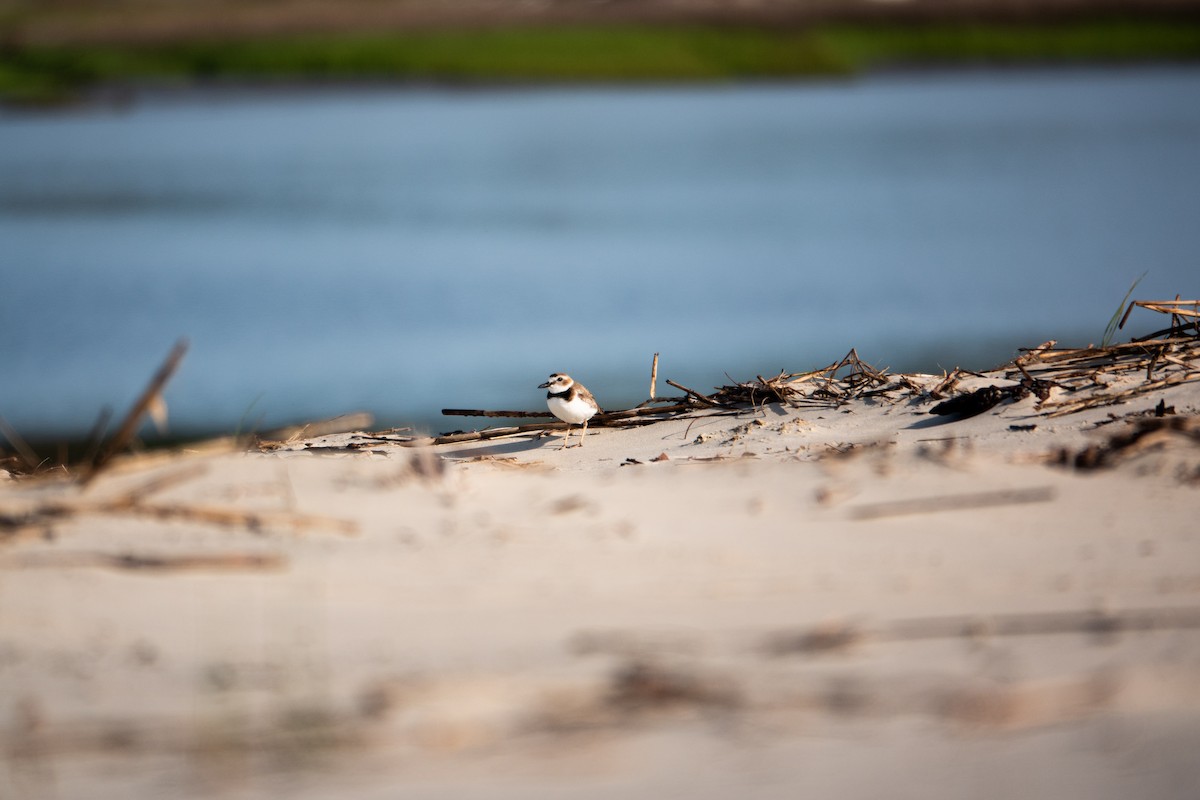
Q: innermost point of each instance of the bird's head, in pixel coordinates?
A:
(559, 382)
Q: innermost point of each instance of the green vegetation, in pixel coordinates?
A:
(1079, 42)
(1110, 330)
(587, 54)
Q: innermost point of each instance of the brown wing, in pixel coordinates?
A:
(582, 391)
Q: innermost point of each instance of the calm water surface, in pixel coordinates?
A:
(404, 250)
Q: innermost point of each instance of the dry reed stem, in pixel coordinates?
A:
(1045, 623)
(830, 391)
(1146, 434)
(205, 561)
(1171, 353)
(344, 423)
(697, 396)
(150, 395)
(1063, 407)
(24, 451)
(131, 503)
(839, 636)
(471, 412)
(160, 483)
(1176, 308)
(956, 502)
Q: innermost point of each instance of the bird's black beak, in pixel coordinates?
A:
(545, 385)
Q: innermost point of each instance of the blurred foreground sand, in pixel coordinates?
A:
(860, 602)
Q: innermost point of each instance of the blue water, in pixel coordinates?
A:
(401, 250)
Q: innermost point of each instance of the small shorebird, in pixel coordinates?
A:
(570, 402)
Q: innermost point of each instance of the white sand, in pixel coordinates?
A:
(753, 616)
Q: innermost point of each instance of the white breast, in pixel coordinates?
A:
(574, 412)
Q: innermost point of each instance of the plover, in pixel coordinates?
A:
(570, 402)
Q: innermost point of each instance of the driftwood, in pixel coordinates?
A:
(640, 415)
(471, 412)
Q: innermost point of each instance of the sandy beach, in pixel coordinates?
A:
(847, 597)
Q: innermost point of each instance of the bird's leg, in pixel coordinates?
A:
(566, 439)
(583, 433)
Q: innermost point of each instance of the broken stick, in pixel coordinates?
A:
(130, 424)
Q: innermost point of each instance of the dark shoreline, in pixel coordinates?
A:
(34, 73)
(148, 22)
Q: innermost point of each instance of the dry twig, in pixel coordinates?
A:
(472, 412)
(1145, 434)
(1171, 354)
(344, 423)
(150, 395)
(834, 637)
(133, 502)
(702, 399)
(30, 458)
(130, 562)
(955, 502)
